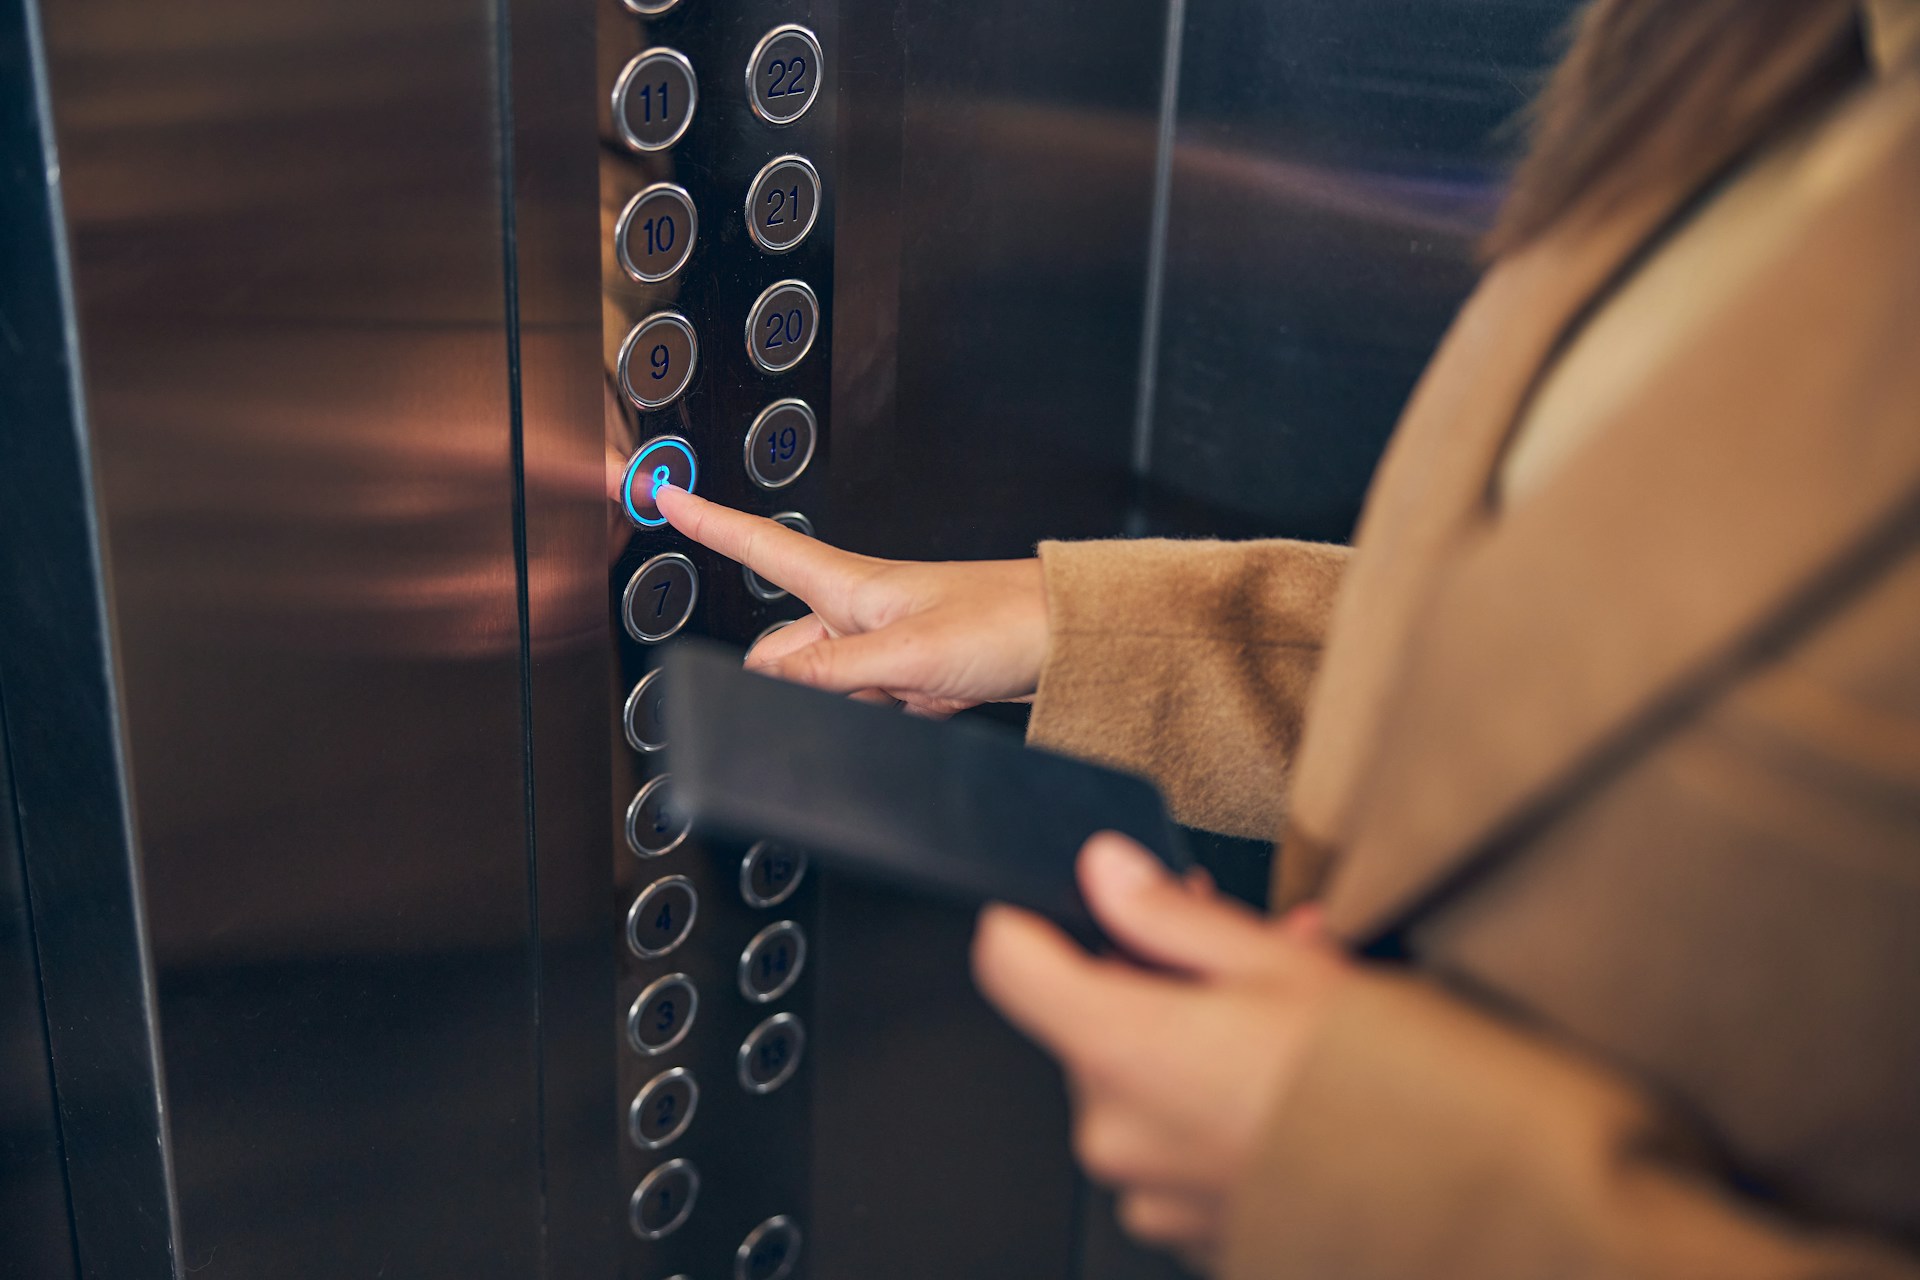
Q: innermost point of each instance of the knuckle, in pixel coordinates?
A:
(1101, 1148)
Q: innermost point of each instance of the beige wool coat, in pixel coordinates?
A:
(1621, 783)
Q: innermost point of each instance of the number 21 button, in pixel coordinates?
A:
(783, 202)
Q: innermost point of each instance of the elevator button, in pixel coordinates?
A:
(661, 460)
(656, 232)
(771, 1053)
(770, 1251)
(783, 203)
(772, 962)
(663, 1200)
(651, 8)
(760, 588)
(644, 716)
(658, 359)
(654, 826)
(662, 916)
(654, 98)
(781, 326)
(659, 597)
(768, 630)
(783, 76)
(770, 873)
(662, 1014)
(663, 1109)
(780, 443)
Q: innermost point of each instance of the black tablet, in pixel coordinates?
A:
(959, 808)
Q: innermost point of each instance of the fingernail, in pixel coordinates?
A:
(1121, 865)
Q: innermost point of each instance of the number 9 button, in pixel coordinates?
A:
(657, 360)
(783, 76)
(781, 325)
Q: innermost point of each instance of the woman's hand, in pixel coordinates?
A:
(937, 637)
(1173, 1073)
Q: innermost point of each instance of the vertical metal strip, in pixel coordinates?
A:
(1157, 238)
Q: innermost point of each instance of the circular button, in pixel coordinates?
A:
(663, 1200)
(780, 443)
(654, 98)
(783, 203)
(644, 715)
(658, 359)
(659, 597)
(771, 1053)
(770, 1251)
(663, 1108)
(772, 962)
(760, 588)
(770, 873)
(656, 232)
(781, 326)
(654, 827)
(661, 460)
(783, 75)
(662, 1014)
(651, 8)
(661, 917)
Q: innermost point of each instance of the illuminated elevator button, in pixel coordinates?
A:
(770, 873)
(771, 1053)
(783, 75)
(772, 962)
(654, 825)
(780, 443)
(760, 588)
(654, 98)
(661, 460)
(783, 202)
(657, 360)
(663, 1109)
(659, 597)
(644, 716)
(656, 232)
(770, 1251)
(781, 326)
(662, 916)
(663, 1200)
(661, 1015)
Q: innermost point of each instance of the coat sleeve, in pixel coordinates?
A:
(1426, 1140)
(1188, 662)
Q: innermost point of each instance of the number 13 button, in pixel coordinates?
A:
(781, 325)
(783, 202)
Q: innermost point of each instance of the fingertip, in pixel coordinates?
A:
(1114, 869)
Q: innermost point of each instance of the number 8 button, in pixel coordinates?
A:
(781, 326)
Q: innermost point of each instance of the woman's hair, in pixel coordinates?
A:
(1656, 91)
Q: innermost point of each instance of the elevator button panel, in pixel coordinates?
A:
(660, 597)
(662, 1015)
(780, 443)
(663, 1109)
(655, 233)
(654, 99)
(770, 1251)
(781, 326)
(658, 359)
(783, 202)
(771, 1053)
(783, 75)
(771, 873)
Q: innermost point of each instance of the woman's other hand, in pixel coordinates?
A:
(1173, 1072)
(937, 637)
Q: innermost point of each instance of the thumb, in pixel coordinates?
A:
(1160, 918)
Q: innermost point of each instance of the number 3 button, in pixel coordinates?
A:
(781, 326)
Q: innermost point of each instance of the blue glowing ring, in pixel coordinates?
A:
(647, 450)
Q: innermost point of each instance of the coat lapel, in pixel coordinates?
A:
(1724, 507)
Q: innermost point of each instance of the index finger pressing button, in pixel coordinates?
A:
(660, 461)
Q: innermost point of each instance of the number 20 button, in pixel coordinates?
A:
(783, 203)
(781, 325)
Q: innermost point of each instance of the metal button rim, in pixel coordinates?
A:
(760, 362)
(759, 419)
(778, 927)
(686, 616)
(625, 223)
(741, 1256)
(630, 711)
(744, 1056)
(633, 817)
(646, 1091)
(654, 10)
(769, 629)
(647, 993)
(647, 895)
(625, 79)
(753, 64)
(624, 364)
(646, 1184)
(747, 210)
(752, 899)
